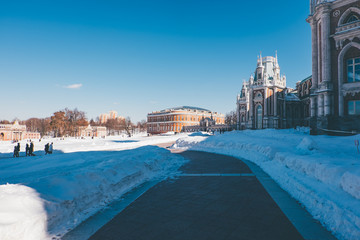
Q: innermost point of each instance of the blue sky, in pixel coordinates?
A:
(140, 56)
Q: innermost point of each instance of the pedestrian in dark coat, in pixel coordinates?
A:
(27, 148)
(31, 151)
(46, 148)
(15, 151)
(18, 150)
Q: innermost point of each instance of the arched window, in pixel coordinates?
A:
(352, 18)
(349, 16)
(353, 70)
(259, 117)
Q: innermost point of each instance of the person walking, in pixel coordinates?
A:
(27, 148)
(18, 150)
(51, 148)
(46, 148)
(31, 151)
(15, 151)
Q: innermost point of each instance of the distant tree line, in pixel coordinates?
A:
(67, 122)
(231, 118)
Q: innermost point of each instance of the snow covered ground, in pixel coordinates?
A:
(45, 196)
(321, 172)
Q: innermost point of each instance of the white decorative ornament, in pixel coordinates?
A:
(336, 13)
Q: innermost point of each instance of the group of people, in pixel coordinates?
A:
(17, 150)
(29, 149)
(48, 148)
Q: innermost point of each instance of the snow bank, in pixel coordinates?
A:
(191, 140)
(48, 195)
(22, 213)
(321, 172)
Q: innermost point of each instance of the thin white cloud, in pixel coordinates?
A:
(74, 86)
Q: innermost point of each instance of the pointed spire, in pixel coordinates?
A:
(260, 59)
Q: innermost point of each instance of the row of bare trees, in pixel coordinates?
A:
(67, 122)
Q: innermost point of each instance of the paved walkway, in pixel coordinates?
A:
(217, 197)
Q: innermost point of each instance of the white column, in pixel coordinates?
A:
(275, 102)
(314, 41)
(265, 102)
(251, 109)
(326, 50)
(320, 105)
(327, 104)
(237, 114)
(265, 119)
(313, 106)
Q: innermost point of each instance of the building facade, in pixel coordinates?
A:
(92, 131)
(257, 104)
(335, 90)
(16, 132)
(175, 119)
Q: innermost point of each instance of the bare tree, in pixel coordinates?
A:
(230, 118)
(75, 119)
(128, 126)
(141, 125)
(38, 125)
(112, 125)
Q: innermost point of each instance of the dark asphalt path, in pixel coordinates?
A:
(218, 197)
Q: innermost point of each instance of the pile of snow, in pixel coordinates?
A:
(45, 196)
(202, 134)
(22, 213)
(321, 172)
(190, 140)
(306, 145)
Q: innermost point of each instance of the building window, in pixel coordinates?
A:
(259, 117)
(352, 19)
(353, 70)
(354, 107)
